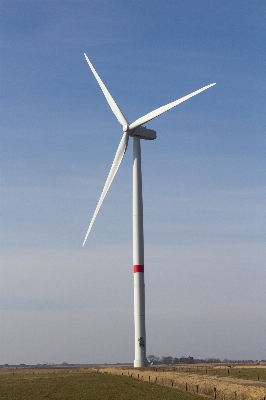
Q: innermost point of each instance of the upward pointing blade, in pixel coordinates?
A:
(117, 161)
(114, 107)
(163, 109)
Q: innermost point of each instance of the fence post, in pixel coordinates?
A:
(214, 392)
(186, 386)
(197, 388)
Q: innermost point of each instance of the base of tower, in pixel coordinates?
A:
(140, 363)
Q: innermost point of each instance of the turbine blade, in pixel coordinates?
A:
(114, 107)
(117, 160)
(163, 109)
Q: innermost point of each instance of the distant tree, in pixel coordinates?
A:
(153, 359)
(167, 360)
(212, 360)
(187, 360)
(176, 360)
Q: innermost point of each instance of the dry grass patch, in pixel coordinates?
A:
(223, 388)
(255, 373)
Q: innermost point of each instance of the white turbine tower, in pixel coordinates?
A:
(137, 132)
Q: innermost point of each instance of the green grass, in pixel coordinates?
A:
(255, 374)
(81, 386)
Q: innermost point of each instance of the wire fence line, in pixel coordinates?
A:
(199, 388)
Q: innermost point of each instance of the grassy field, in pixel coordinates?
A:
(237, 372)
(80, 385)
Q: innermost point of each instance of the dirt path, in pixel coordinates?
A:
(223, 388)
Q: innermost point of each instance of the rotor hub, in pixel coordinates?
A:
(126, 128)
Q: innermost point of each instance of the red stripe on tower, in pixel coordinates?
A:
(138, 268)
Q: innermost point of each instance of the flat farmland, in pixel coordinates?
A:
(126, 383)
(81, 384)
(209, 381)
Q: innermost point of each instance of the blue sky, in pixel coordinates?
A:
(203, 179)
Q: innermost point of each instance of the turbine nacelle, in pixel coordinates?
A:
(144, 133)
(141, 131)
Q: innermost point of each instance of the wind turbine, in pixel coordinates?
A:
(137, 132)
